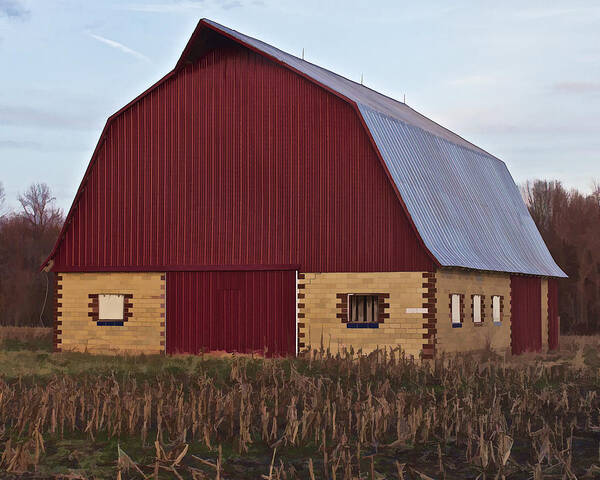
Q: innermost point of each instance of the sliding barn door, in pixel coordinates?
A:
(553, 325)
(526, 314)
(246, 311)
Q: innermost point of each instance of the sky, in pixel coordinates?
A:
(520, 79)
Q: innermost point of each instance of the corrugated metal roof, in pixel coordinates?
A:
(464, 204)
(463, 201)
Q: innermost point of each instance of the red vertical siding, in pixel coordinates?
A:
(553, 325)
(526, 314)
(247, 311)
(236, 160)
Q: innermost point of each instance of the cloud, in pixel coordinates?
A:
(119, 46)
(183, 6)
(577, 87)
(503, 121)
(13, 9)
(24, 116)
(170, 7)
(545, 13)
(531, 127)
(20, 145)
(475, 80)
(54, 144)
(231, 5)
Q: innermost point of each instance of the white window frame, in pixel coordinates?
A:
(477, 309)
(455, 312)
(496, 309)
(111, 307)
(375, 311)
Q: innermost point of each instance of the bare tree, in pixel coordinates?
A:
(26, 238)
(539, 196)
(2, 202)
(569, 222)
(38, 207)
(596, 191)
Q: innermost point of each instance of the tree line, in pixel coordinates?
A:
(27, 236)
(568, 220)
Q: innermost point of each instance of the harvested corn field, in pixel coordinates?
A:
(319, 416)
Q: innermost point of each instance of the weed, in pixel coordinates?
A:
(316, 416)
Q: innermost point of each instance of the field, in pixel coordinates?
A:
(320, 416)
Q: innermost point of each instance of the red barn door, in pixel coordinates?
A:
(553, 326)
(526, 311)
(242, 311)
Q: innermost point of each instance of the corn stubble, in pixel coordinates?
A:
(376, 416)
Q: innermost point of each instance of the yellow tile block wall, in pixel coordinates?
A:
(143, 332)
(471, 337)
(400, 329)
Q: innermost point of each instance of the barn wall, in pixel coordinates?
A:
(553, 320)
(545, 319)
(321, 311)
(143, 332)
(238, 161)
(471, 336)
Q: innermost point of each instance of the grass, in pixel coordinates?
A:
(25, 338)
(318, 416)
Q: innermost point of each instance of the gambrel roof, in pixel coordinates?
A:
(461, 201)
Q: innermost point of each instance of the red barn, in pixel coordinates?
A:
(252, 201)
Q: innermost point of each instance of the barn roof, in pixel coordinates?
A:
(462, 200)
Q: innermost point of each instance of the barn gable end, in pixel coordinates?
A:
(235, 160)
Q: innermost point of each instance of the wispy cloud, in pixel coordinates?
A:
(499, 120)
(577, 87)
(476, 80)
(13, 9)
(183, 6)
(544, 13)
(526, 128)
(20, 145)
(24, 116)
(231, 5)
(53, 145)
(119, 46)
(170, 7)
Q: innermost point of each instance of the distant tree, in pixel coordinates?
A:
(596, 190)
(569, 222)
(2, 202)
(539, 197)
(37, 205)
(26, 238)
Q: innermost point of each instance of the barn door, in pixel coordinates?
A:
(244, 311)
(526, 314)
(553, 325)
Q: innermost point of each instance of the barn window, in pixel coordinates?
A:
(363, 311)
(456, 309)
(477, 309)
(111, 309)
(497, 309)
